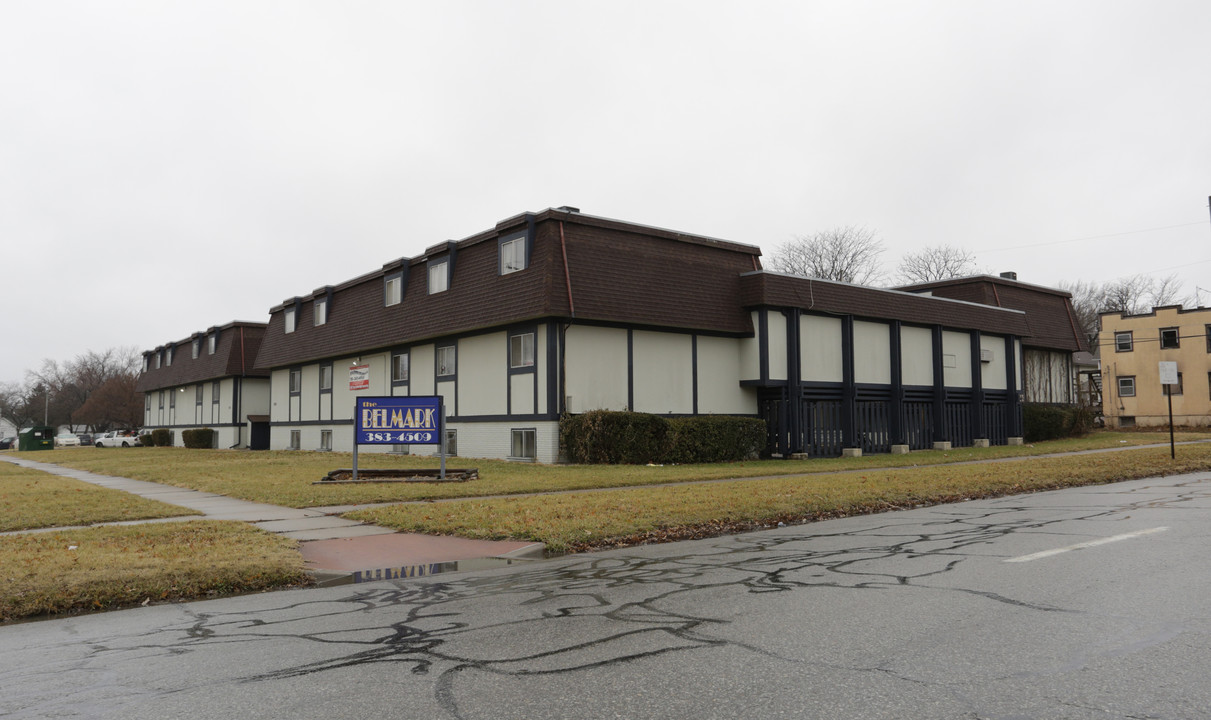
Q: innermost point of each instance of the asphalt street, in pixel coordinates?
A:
(1083, 603)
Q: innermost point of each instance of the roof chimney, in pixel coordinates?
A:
(568, 209)
(1009, 275)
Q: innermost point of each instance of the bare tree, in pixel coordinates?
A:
(847, 254)
(70, 384)
(114, 404)
(1132, 295)
(21, 404)
(940, 262)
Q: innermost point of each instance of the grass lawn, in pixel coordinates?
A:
(109, 567)
(33, 499)
(598, 519)
(285, 478)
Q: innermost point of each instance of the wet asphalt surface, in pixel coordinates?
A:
(954, 611)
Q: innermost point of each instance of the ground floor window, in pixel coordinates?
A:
(523, 444)
(325, 439)
(295, 439)
(400, 449)
(451, 442)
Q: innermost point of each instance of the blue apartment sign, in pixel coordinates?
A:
(398, 420)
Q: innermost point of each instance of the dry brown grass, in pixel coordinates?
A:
(34, 499)
(109, 567)
(585, 520)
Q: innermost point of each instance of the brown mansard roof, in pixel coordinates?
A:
(235, 355)
(617, 272)
(812, 294)
(1052, 323)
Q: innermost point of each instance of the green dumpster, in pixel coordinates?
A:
(38, 437)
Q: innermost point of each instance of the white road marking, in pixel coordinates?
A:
(1082, 546)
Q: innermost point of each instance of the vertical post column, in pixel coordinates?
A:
(941, 439)
(979, 433)
(851, 443)
(1013, 391)
(895, 404)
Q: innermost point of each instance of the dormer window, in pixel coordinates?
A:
(393, 286)
(439, 277)
(321, 311)
(212, 343)
(513, 255)
(289, 320)
(159, 359)
(168, 356)
(197, 348)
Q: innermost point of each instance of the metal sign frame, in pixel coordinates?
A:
(395, 420)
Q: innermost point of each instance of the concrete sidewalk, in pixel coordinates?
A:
(334, 549)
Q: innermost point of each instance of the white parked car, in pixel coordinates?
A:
(116, 438)
(67, 439)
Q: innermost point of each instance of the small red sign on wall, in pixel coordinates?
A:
(359, 377)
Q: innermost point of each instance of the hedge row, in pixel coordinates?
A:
(200, 438)
(1051, 422)
(611, 437)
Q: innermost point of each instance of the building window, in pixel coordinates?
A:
(521, 350)
(197, 348)
(212, 343)
(1170, 338)
(296, 381)
(1126, 421)
(1122, 342)
(295, 439)
(513, 255)
(216, 388)
(393, 286)
(400, 449)
(325, 378)
(399, 368)
(197, 394)
(451, 442)
(159, 358)
(172, 399)
(168, 356)
(439, 277)
(147, 360)
(147, 399)
(161, 399)
(523, 444)
(1126, 386)
(1176, 389)
(446, 361)
(321, 311)
(325, 439)
(290, 320)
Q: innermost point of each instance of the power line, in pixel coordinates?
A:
(1093, 237)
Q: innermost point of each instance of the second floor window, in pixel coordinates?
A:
(289, 320)
(321, 311)
(1122, 342)
(325, 378)
(439, 280)
(1170, 338)
(445, 360)
(513, 256)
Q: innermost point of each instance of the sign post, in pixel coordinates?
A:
(418, 420)
(1168, 373)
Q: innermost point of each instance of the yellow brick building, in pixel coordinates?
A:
(1132, 346)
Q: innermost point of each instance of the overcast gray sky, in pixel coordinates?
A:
(168, 166)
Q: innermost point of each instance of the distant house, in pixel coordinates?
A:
(1133, 346)
(1051, 373)
(208, 380)
(560, 312)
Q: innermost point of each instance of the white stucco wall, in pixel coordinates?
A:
(872, 352)
(777, 345)
(719, 372)
(596, 368)
(820, 348)
(750, 352)
(483, 374)
(663, 372)
(992, 374)
(956, 359)
(916, 355)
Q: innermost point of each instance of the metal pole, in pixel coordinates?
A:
(442, 425)
(1172, 452)
(355, 420)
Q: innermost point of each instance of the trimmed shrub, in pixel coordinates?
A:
(161, 437)
(714, 438)
(201, 438)
(146, 440)
(610, 437)
(1051, 422)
